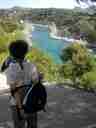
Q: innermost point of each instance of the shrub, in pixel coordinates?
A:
(3, 55)
(88, 80)
(7, 38)
(77, 61)
(44, 64)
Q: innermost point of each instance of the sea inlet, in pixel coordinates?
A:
(42, 40)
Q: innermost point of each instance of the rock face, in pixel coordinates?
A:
(53, 29)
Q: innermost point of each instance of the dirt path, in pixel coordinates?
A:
(66, 108)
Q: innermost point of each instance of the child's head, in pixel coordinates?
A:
(18, 49)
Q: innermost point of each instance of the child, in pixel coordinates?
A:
(20, 72)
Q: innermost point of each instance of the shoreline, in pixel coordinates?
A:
(40, 25)
(56, 37)
(53, 36)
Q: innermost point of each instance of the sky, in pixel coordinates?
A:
(38, 3)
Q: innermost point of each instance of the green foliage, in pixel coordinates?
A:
(2, 32)
(77, 61)
(66, 70)
(10, 29)
(88, 28)
(76, 52)
(7, 38)
(3, 55)
(44, 64)
(9, 24)
(88, 80)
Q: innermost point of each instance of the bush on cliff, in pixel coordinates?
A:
(7, 38)
(45, 64)
(88, 80)
(77, 62)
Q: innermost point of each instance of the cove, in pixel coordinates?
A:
(42, 41)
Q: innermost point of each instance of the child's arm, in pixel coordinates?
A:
(35, 75)
(15, 87)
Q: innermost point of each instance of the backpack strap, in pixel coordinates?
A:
(6, 63)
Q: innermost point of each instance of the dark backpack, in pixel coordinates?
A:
(35, 99)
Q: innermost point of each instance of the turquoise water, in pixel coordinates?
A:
(44, 42)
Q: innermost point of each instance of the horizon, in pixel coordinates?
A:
(37, 8)
(61, 4)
